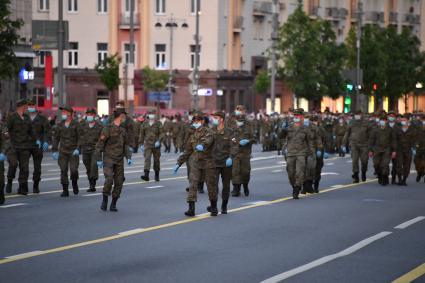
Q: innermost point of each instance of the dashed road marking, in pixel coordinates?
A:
(154, 187)
(13, 205)
(410, 222)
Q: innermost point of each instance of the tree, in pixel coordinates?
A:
(109, 72)
(8, 38)
(262, 82)
(154, 80)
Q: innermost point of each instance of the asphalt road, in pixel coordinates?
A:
(347, 233)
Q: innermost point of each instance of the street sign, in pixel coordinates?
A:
(45, 34)
(205, 92)
(161, 96)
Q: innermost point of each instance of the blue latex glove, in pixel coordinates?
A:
(199, 148)
(130, 149)
(38, 143)
(100, 164)
(229, 162)
(326, 155)
(157, 144)
(2, 157)
(244, 142)
(76, 152)
(142, 148)
(55, 155)
(176, 168)
(318, 154)
(413, 151)
(130, 162)
(45, 146)
(344, 149)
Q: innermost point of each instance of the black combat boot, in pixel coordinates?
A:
(2, 198)
(355, 177)
(363, 176)
(36, 187)
(114, 205)
(385, 180)
(224, 206)
(393, 179)
(418, 178)
(92, 188)
(296, 192)
(213, 208)
(104, 205)
(21, 189)
(201, 187)
(236, 190)
(404, 181)
(9, 186)
(187, 189)
(75, 189)
(65, 192)
(246, 189)
(191, 211)
(156, 176)
(146, 176)
(316, 187)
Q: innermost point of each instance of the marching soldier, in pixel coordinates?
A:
(222, 157)
(176, 128)
(168, 127)
(129, 128)
(298, 146)
(394, 127)
(4, 147)
(357, 135)
(382, 147)
(406, 139)
(312, 158)
(338, 132)
(419, 150)
(21, 137)
(199, 154)
(41, 138)
(111, 149)
(266, 133)
(66, 149)
(319, 156)
(89, 133)
(150, 138)
(242, 141)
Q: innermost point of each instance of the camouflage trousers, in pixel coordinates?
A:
(154, 153)
(359, 153)
(241, 170)
(66, 162)
(19, 157)
(167, 142)
(89, 160)
(196, 177)
(295, 167)
(420, 164)
(114, 176)
(404, 161)
(37, 158)
(318, 170)
(381, 162)
(226, 177)
(310, 168)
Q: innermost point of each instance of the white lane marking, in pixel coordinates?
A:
(277, 171)
(281, 162)
(262, 202)
(410, 222)
(154, 187)
(24, 255)
(373, 200)
(13, 205)
(329, 164)
(337, 186)
(264, 158)
(349, 161)
(131, 232)
(92, 195)
(326, 259)
(329, 173)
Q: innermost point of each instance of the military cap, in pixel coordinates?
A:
(191, 111)
(358, 112)
(314, 118)
(67, 108)
(21, 103)
(119, 111)
(91, 111)
(151, 111)
(197, 115)
(30, 102)
(120, 104)
(240, 108)
(383, 117)
(299, 111)
(219, 114)
(391, 113)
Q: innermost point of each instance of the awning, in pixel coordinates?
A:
(21, 54)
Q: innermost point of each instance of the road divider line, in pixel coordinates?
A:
(406, 224)
(411, 275)
(163, 226)
(13, 205)
(131, 232)
(92, 195)
(154, 187)
(326, 259)
(25, 255)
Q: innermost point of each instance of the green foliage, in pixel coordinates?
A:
(8, 38)
(262, 82)
(109, 72)
(154, 80)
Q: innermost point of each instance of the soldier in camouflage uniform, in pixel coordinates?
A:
(4, 147)
(418, 150)
(89, 133)
(22, 139)
(199, 153)
(222, 156)
(137, 125)
(405, 137)
(150, 138)
(242, 141)
(168, 132)
(176, 128)
(319, 156)
(338, 134)
(41, 138)
(66, 149)
(266, 133)
(128, 125)
(111, 149)
(298, 146)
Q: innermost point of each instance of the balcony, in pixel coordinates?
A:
(125, 21)
(261, 9)
(238, 24)
(343, 13)
(314, 11)
(411, 19)
(332, 13)
(393, 17)
(374, 17)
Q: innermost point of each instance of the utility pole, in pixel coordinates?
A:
(358, 101)
(171, 25)
(275, 27)
(62, 98)
(130, 102)
(196, 67)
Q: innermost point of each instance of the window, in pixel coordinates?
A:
(160, 7)
(192, 56)
(127, 6)
(193, 4)
(160, 53)
(73, 54)
(43, 5)
(73, 6)
(127, 53)
(102, 52)
(42, 58)
(102, 6)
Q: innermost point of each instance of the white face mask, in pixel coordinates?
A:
(357, 117)
(239, 123)
(151, 123)
(151, 116)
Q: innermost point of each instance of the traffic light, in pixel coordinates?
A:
(350, 87)
(347, 104)
(375, 87)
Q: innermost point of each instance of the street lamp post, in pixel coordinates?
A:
(196, 67)
(359, 104)
(275, 26)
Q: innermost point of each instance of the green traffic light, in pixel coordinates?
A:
(350, 87)
(347, 100)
